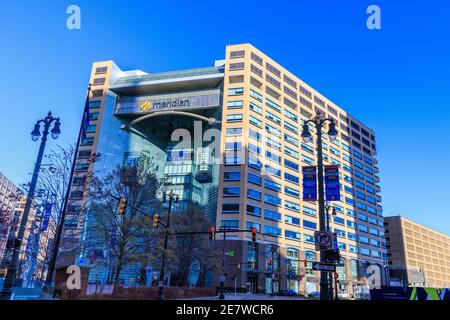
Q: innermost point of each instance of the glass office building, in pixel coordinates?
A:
(252, 177)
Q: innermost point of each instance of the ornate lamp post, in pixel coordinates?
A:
(318, 121)
(35, 134)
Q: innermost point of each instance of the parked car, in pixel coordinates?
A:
(361, 292)
(343, 295)
(314, 294)
(288, 293)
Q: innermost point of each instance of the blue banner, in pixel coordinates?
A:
(332, 188)
(309, 183)
(47, 214)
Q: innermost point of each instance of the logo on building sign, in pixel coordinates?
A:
(149, 104)
(145, 105)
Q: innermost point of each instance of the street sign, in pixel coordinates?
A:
(323, 239)
(323, 267)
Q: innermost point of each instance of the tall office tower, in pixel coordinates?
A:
(254, 179)
(418, 255)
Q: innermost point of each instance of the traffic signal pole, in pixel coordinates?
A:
(330, 276)
(123, 203)
(172, 197)
(222, 280)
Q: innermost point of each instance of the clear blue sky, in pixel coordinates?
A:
(396, 80)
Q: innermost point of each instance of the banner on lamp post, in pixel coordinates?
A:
(47, 214)
(309, 183)
(332, 188)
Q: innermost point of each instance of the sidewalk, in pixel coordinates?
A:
(251, 296)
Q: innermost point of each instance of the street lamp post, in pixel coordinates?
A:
(35, 134)
(330, 275)
(318, 121)
(172, 198)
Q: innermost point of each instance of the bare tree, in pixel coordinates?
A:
(54, 178)
(195, 252)
(121, 240)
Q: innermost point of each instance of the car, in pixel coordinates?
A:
(343, 295)
(361, 292)
(287, 293)
(314, 294)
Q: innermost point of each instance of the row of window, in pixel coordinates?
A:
(277, 120)
(277, 73)
(275, 157)
(293, 235)
(291, 152)
(275, 201)
(292, 83)
(255, 163)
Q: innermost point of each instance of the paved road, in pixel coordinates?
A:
(246, 296)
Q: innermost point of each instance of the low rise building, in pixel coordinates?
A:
(418, 256)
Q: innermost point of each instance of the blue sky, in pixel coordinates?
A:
(396, 80)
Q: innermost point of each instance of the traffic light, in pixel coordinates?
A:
(238, 265)
(122, 206)
(155, 220)
(305, 262)
(211, 233)
(333, 255)
(269, 262)
(254, 234)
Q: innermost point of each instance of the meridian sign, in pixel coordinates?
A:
(156, 103)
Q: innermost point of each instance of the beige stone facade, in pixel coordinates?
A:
(262, 108)
(423, 253)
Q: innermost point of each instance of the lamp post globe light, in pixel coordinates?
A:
(6, 293)
(318, 121)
